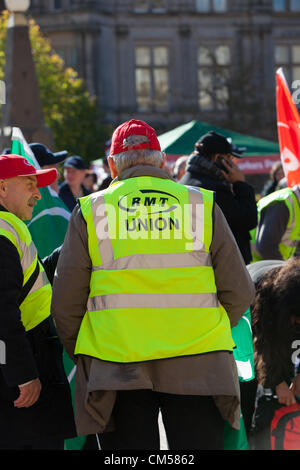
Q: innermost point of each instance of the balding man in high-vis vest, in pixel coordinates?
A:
(148, 285)
(35, 400)
(277, 235)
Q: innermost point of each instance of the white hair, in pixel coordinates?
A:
(180, 162)
(133, 157)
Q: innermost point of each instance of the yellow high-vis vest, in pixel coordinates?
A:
(152, 290)
(36, 306)
(288, 244)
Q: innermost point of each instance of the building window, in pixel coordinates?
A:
(295, 5)
(288, 57)
(140, 6)
(69, 55)
(61, 4)
(279, 5)
(57, 4)
(151, 77)
(286, 5)
(154, 6)
(217, 6)
(213, 75)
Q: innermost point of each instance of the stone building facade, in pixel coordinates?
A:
(171, 61)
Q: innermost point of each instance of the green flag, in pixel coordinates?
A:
(48, 227)
(244, 358)
(243, 353)
(50, 215)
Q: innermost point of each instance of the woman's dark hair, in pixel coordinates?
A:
(277, 299)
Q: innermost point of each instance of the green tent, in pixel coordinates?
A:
(181, 140)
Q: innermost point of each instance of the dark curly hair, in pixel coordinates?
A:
(277, 300)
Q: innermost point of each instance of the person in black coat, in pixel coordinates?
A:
(211, 167)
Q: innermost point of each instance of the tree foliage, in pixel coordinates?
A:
(69, 110)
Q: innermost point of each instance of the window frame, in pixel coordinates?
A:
(65, 4)
(212, 67)
(211, 8)
(54, 8)
(288, 67)
(149, 8)
(69, 55)
(152, 67)
(287, 8)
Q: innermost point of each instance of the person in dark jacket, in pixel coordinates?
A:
(276, 339)
(211, 167)
(73, 188)
(276, 329)
(35, 399)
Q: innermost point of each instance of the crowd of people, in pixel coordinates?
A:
(174, 292)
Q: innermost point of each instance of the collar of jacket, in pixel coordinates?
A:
(200, 165)
(142, 170)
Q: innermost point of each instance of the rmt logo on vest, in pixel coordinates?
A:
(150, 214)
(159, 200)
(150, 211)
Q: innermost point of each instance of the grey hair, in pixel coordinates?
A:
(133, 157)
(180, 162)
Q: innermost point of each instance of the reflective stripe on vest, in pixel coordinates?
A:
(152, 288)
(36, 306)
(289, 241)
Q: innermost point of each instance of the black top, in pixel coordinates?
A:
(105, 183)
(67, 196)
(237, 200)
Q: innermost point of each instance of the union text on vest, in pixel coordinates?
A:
(151, 224)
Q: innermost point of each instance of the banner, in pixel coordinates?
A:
(288, 126)
(258, 165)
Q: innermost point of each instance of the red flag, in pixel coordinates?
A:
(288, 126)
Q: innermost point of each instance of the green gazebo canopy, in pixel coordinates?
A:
(181, 140)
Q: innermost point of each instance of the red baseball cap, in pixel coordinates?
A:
(133, 127)
(15, 165)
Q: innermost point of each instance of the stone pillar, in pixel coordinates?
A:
(23, 107)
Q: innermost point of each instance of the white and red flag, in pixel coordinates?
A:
(288, 126)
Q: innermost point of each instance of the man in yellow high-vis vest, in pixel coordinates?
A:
(278, 232)
(147, 287)
(32, 381)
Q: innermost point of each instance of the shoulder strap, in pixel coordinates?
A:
(29, 284)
